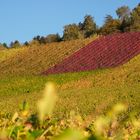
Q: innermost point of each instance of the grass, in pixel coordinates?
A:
(41, 125)
(88, 93)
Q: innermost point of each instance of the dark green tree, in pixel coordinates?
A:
(50, 38)
(37, 38)
(71, 32)
(26, 43)
(15, 44)
(5, 45)
(135, 19)
(53, 38)
(89, 26)
(42, 40)
(124, 17)
(110, 26)
(123, 12)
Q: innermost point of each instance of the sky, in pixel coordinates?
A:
(23, 19)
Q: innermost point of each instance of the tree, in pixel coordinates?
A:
(42, 40)
(15, 44)
(125, 25)
(34, 43)
(124, 17)
(135, 19)
(26, 43)
(110, 26)
(71, 32)
(123, 12)
(37, 38)
(49, 39)
(53, 38)
(80, 25)
(89, 26)
(3, 46)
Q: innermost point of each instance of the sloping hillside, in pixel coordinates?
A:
(33, 60)
(105, 52)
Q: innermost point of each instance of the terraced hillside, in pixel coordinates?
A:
(34, 60)
(105, 52)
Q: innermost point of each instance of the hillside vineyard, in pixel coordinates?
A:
(104, 52)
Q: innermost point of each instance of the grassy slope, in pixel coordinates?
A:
(34, 60)
(86, 92)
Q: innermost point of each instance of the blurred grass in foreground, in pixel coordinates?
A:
(24, 125)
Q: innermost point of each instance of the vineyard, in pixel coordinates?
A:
(104, 52)
(35, 59)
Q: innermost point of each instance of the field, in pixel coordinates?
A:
(82, 96)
